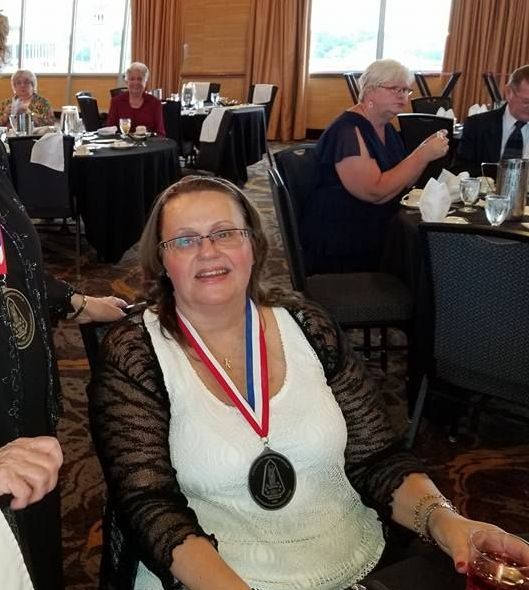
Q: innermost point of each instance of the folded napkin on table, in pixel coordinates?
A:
(44, 129)
(452, 183)
(210, 127)
(435, 201)
(476, 108)
(49, 151)
(449, 113)
(112, 130)
(201, 90)
(262, 93)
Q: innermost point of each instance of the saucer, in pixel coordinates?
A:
(412, 199)
(121, 145)
(454, 219)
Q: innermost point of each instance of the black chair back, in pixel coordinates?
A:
(450, 84)
(89, 112)
(422, 84)
(288, 226)
(214, 87)
(492, 86)
(415, 128)
(430, 104)
(480, 282)
(118, 90)
(298, 167)
(83, 93)
(211, 154)
(172, 119)
(351, 79)
(267, 105)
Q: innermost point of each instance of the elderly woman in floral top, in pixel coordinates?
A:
(25, 99)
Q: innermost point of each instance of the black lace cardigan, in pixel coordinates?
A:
(147, 514)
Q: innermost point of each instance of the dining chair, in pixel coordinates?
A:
(450, 84)
(479, 278)
(214, 87)
(415, 128)
(492, 86)
(351, 79)
(422, 84)
(90, 112)
(430, 104)
(362, 300)
(267, 105)
(118, 90)
(83, 93)
(44, 192)
(172, 115)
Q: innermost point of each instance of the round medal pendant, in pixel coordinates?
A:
(272, 480)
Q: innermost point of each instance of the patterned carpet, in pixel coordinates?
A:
(486, 472)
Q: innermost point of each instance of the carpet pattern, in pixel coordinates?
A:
(486, 472)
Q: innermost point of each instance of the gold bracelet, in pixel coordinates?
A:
(80, 309)
(421, 518)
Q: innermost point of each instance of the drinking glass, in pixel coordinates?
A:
(469, 191)
(498, 561)
(215, 97)
(124, 126)
(497, 208)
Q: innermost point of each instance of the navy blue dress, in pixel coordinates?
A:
(339, 232)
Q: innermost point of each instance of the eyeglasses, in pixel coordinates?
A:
(398, 90)
(222, 238)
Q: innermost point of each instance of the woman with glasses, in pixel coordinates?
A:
(363, 171)
(239, 437)
(26, 100)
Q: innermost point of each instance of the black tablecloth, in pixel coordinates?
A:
(402, 256)
(115, 191)
(244, 142)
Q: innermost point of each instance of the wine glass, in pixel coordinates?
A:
(497, 560)
(497, 208)
(124, 126)
(469, 191)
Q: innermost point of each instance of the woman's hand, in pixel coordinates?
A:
(98, 309)
(29, 469)
(434, 147)
(452, 531)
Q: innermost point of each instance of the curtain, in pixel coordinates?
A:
(484, 35)
(156, 27)
(278, 53)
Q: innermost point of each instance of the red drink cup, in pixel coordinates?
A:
(498, 561)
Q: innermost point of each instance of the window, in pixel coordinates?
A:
(79, 36)
(410, 31)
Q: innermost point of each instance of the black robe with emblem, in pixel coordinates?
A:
(29, 383)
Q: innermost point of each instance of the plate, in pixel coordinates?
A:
(121, 145)
(144, 136)
(454, 219)
(102, 140)
(412, 199)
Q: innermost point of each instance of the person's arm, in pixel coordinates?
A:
(41, 111)
(362, 177)
(130, 415)
(29, 469)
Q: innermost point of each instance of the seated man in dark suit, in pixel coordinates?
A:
(498, 134)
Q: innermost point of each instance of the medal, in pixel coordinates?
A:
(271, 479)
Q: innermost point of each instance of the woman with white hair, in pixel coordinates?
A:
(363, 170)
(136, 104)
(26, 100)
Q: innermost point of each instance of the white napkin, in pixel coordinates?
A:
(476, 108)
(449, 113)
(201, 90)
(44, 129)
(262, 93)
(435, 201)
(112, 130)
(452, 183)
(210, 127)
(49, 151)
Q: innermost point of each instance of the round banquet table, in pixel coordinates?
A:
(115, 189)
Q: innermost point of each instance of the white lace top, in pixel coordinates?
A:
(325, 538)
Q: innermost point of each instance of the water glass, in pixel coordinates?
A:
(215, 98)
(498, 560)
(124, 126)
(497, 208)
(469, 191)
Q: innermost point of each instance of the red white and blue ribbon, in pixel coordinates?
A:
(3, 256)
(254, 407)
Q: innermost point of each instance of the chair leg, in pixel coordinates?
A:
(367, 343)
(384, 349)
(417, 414)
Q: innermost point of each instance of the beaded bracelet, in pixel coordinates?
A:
(80, 309)
(421, 518)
